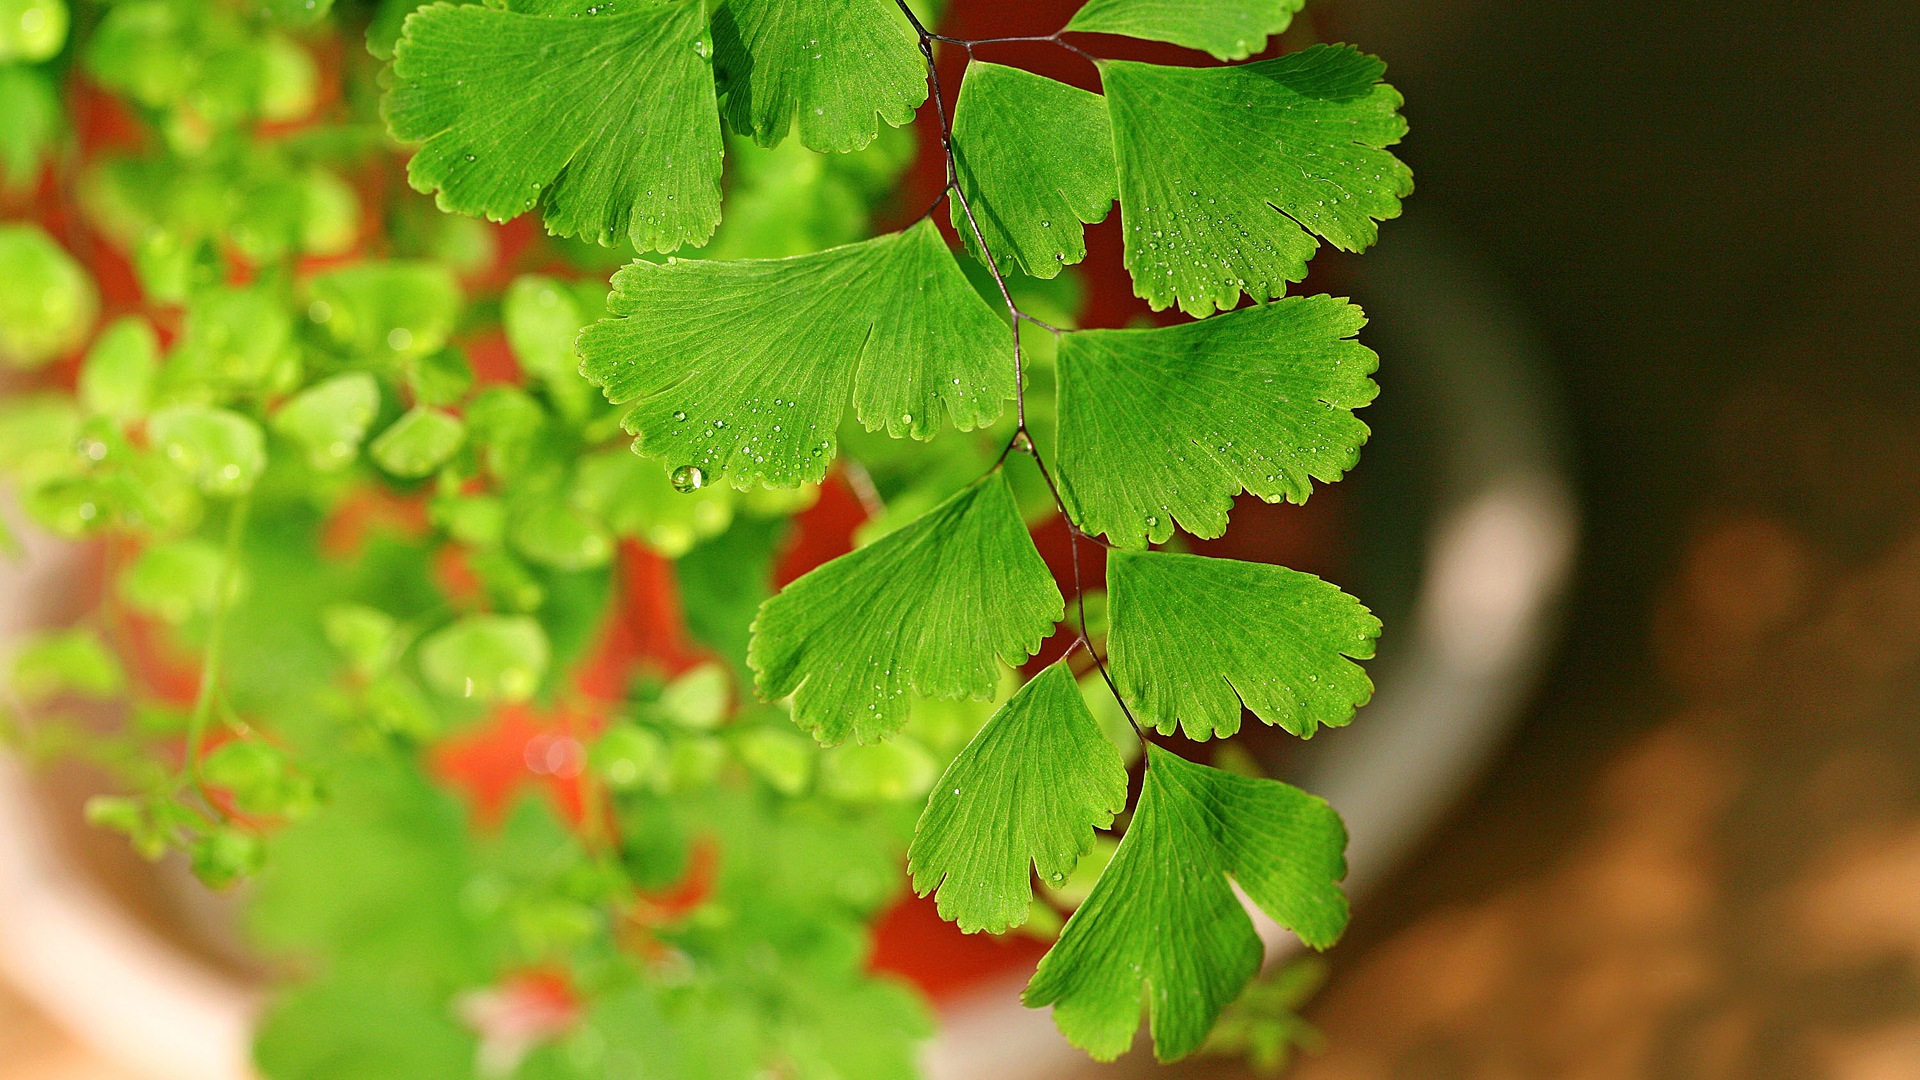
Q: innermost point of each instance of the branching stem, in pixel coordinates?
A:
(1022, 440)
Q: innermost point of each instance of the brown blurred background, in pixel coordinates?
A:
(1699, 856)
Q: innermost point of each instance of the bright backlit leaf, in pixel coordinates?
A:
(331, 418)
(439, 378)
(176, 580)
(363, 635)
(1024, 796)
(296, 12)
(743, 369)
(929, 608)
(48, 303)
(1164, 925)
(552, 533)
(1194, 638)
(65, 662)
(395, 310)
(237, 341)
(419, 442)
(1229, 29)
(608, 122)
(261, 777)
(636, 498)
(1224, 171)
(32, 30)
(1166, 426)
(891, 771)
(840, 67)
(117, 378)
(487, 657)
(223, 451)
(34, 120)
(1036, 161)
(541, 318)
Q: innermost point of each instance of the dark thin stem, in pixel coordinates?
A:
(966, 207)
(935, 205)
(1042, 324)
(1022, 439)
(1075, 535)
(1045, 39)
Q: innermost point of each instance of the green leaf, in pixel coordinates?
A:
(133, 818)
(1264, 1027)
(37, 435)
(117, 378)
(439, 378)
(364, 635)
(511, 430)
(206, 64)
(1195, 638)
(1036, 161)
(329, 214)
(489, 657)
(363, 1024)
(782, 758)
(31, 30)
(331, 418)
(261, 777)
(883, 772)
(296, 12)
(541, 319)
(380, 880)
(723, 582)
(419, 442)
(222, 451)
(1223, 171)
(175, 581)
(237, 341)
(552, 533)
(607, 121)
(730, 381)
(841, 67)
(72, 508)
(699, 699)
(34, 120)
(646, 1031)
(1166, 426)
(65, 662)
(48, 304)
(289, 79)
(635, 498)
(1028, 791)
(387, 311)
(473, 520)
(1163, 923)
(224, 855)
(1229, 29)
(926, 608)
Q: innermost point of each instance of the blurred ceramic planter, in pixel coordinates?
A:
(1463, 529)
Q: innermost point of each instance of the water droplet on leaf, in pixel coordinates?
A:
(688, 479)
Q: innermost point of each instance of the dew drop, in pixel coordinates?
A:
(688, 479)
